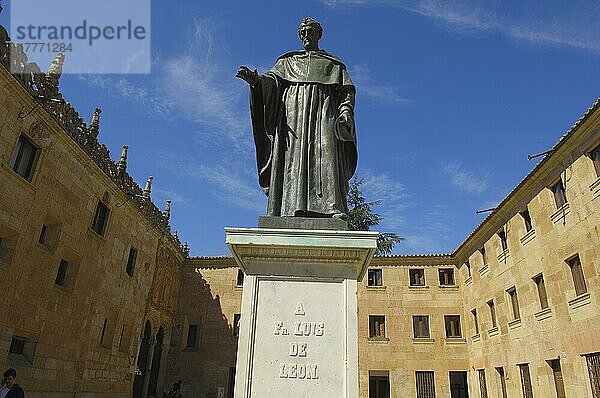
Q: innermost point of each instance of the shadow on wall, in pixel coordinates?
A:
(203, 347)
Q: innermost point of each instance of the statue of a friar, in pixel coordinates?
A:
(303, 122)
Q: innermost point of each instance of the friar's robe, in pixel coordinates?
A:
(305, 158)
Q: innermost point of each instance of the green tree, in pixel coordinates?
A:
(362, 216)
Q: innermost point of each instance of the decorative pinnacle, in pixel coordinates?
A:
(167, 212)
(55, 69)
(148, 188)
(186, 249)
(122, 165)
(95, 123)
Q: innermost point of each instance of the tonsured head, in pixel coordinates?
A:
(310, 31)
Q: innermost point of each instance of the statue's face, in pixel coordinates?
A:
(309, 36)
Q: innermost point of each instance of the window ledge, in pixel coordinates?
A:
(502, 257)
(239, 286)
(543, 314)
(515, 323)
(423, 340)
(475, 338)
(561, 214)
(378, 340)
(469, 280)
(376, 288)
(449, 287)
(22, 181)
(96, 235)
(484, 269)
(62, 289)
(528, 237)
(580, 301)
(455, 341)
(45, 248)
(417, 287)
(493, 331)
(595, 188)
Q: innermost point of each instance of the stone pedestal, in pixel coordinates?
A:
(298, 329)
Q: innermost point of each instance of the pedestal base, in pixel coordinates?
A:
(298, 330)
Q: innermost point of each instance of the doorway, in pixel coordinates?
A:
(458, 385)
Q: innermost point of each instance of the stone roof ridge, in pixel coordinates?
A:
(43, 87)
(595, 105)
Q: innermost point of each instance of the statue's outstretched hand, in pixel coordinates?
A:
(250, 77)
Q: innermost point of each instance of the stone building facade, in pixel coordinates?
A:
(103, 301)
(513, 311)
(86, 259)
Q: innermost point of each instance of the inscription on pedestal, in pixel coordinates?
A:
(302, 349)
(302, 371)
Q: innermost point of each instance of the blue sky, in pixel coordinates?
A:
(451, 98)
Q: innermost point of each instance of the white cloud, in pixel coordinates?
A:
(430, 232)
(463, 179)
(366, 84)
(573, 24)
(174, 197)
(192, 85)
(393, 196)
(230, 186)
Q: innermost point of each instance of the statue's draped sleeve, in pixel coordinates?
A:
(264, 102)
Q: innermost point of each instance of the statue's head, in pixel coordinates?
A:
(310, 31)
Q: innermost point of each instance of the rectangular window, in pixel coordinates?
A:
(24, 158)
(475, 320)
(446, 277)
(240, 278)
(236, 324)
(103, 331)
(526, 380)
(377, 326)
(593, 365)
(421, 326)
(131, 261)
(514, 302)
(375, 277)
(595, 155)
(425, 384)
(379, 384)
(527, 220)
(577, 274)
(503, 242)
(417, 276)
(468, 265)
(100, 219)
(560, 198)
(121, 337)
(24, 347)
(483, 255)
(17, 345)
(541, 289)
(492, 308)
(482, 383)
(502, 380)
(62, 273)
(452, 323)
(192, 336)
(43, 234)
(559, 383)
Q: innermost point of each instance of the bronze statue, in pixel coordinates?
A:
(303, 122)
